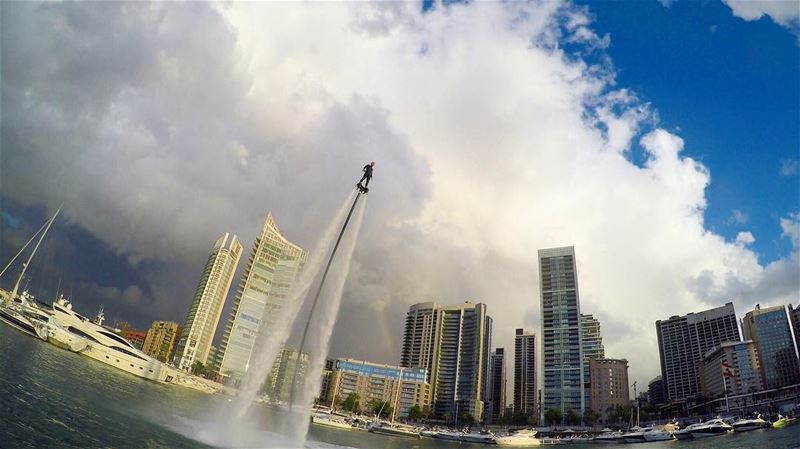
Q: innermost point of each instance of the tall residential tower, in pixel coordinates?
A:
(525, 372)
(271, 270)
(497, 393)
(563, 386)
(682, 343)
(592, 345)
(201, 321)
(450, 342)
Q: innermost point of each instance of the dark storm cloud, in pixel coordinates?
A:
(138, 118)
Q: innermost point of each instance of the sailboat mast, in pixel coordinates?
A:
(637, 403)
(23, 248)
(27, 262)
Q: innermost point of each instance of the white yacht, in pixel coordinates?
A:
(484, 436)
(522, 438)
(712, 428)
(429, 433)
(608, 437)
(329, 421)
(658, 434)
(397, 430)
(636, 434)
(686, 432)
(17, 312)
(449, 435)
(66, 327)
(743, 425)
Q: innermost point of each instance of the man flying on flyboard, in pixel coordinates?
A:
(367, 176)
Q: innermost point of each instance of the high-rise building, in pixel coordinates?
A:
(497, 395)
(592, 346)
(655, 391)
(609, 385)
(420, 337)
(563, 385)
(271, 270)
(161, 340)
(486, 389)
(201, 321)
(525, 372)
(772, 336)
(684, 340)
(281, 376)
(401, 387)
(450, 343)
(740, 359)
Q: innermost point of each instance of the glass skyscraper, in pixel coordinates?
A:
(769, 329)
(563, 385)
(271, 270)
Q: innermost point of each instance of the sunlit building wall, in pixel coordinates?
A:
(161, 340)
(204, 314)
(400, 387)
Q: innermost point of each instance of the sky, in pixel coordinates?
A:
(660, 139)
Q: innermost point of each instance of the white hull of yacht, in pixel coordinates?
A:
(327, 422)
(147, 369)
(14, 319)
(658, 435)
(518, 441)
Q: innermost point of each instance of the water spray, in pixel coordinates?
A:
(361, 191)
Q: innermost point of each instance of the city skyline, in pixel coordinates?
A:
(664, 200)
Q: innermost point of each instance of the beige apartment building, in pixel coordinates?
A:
(401, 387)
(609, 385)
(161, 340)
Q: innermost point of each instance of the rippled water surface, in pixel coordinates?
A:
(50, 398)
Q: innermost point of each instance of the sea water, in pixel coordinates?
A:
(51, 398)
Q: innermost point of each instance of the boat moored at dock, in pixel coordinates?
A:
(712, 428)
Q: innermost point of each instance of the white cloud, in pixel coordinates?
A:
(789, 167)
(791, 228)
(738, 217)
(745, 238)
(491, 142)
(783, 12)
